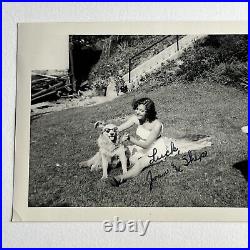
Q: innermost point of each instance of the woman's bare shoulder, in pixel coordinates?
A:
(157, 123)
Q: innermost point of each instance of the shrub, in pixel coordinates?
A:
(234, 73)
(233, 48)
(212, 51)
(100, 86)
(197, 61)
(228, 47)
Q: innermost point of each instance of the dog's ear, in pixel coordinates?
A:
(99, 124)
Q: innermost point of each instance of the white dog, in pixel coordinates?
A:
(111, 150)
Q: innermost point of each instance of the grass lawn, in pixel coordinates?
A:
(60, 140)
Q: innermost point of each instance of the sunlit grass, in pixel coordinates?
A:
(60, 140)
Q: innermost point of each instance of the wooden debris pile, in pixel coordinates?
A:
(44, 87)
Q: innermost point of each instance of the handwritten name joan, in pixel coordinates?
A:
(151, 179)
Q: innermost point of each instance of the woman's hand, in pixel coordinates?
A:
(125, 137)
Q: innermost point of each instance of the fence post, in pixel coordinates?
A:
(177, 37)
(129, 62)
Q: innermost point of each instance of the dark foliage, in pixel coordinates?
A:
(227, 55)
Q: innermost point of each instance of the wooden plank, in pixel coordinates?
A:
(46, 94)
(49, 89)
(47, 76)
(40, 80)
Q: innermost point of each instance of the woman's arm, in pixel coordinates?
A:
(130, 122)
(156, 131)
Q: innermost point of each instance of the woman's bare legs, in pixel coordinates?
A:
(135, 170)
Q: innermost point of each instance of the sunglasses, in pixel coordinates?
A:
(109, 129)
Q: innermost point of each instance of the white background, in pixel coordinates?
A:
(91, 234)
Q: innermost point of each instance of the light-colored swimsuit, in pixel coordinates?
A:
(138, 152)
(164, 144)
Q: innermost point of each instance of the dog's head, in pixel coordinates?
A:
(109, 131)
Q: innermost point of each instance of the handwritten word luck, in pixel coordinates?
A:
(156, 158)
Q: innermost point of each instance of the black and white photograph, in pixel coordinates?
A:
(142, 121)
(125, 124)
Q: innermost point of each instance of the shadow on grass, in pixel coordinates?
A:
(242, 166)
(37, 116)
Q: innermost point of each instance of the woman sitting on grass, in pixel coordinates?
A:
(151, 147)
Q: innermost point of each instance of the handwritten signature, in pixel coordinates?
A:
(176, 168)
(188, 159)
(156, 158)
(151, 179)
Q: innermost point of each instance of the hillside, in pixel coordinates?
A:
(125, 47)
(220, 59)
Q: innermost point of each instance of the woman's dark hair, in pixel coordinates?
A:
(149, 105)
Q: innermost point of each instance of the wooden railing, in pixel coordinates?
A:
(151, 46)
